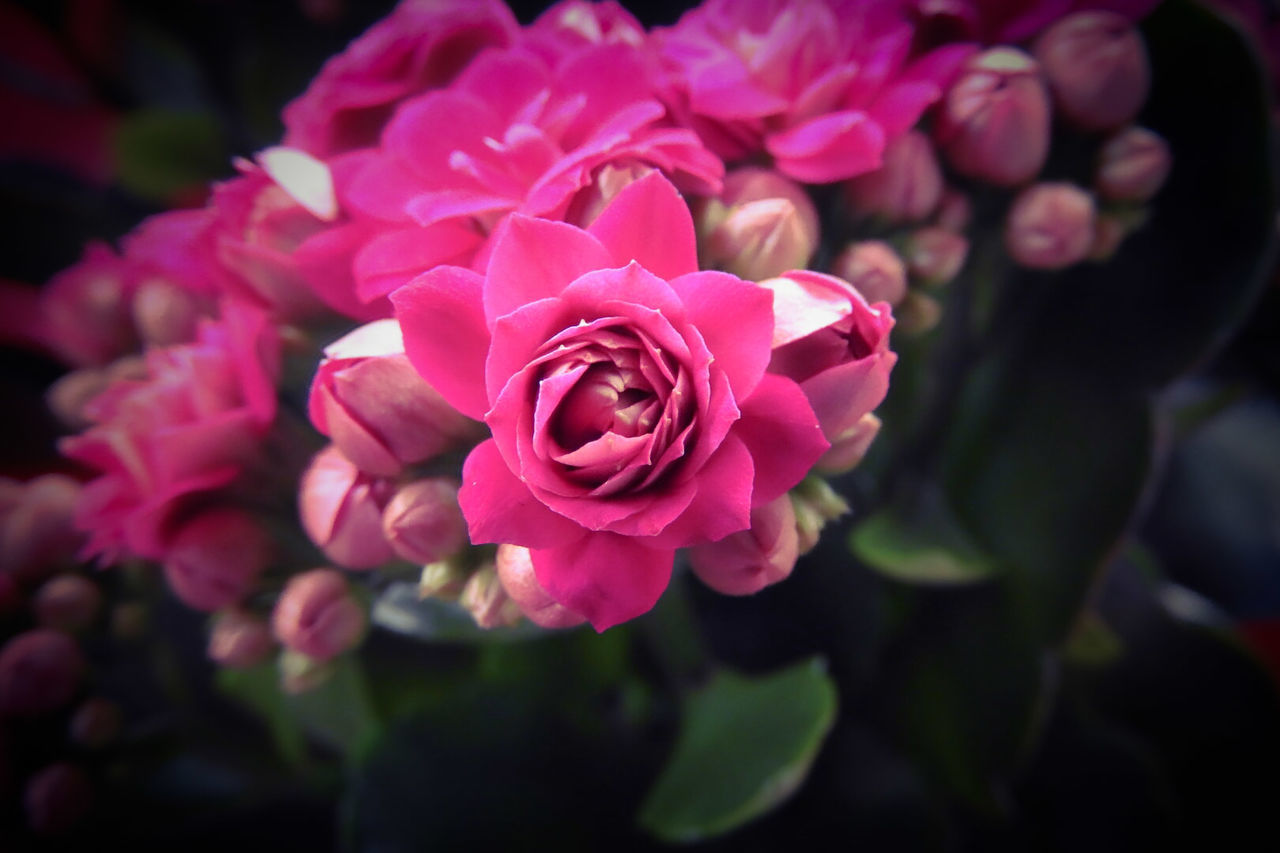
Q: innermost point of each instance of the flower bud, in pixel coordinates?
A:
(86, 308)
(906, 187)
(39, 672)
(762, 225)
(874, 269)
(164, 313)
(935, 255)
(443, 579)
(301, 674)
(1097, 67)
(57, 798)
(37, 535)
(239, 639)
(849, 448)
(67, 603)
(341, 510)
(994, 120)
(317, 616)
(96, 723)
(1132, 166)
(815, 503)
(955, 212)
(918, 313)
(1050, 226)
(515, 571)
(423, 522)
(376, 408)
(748, 561)
(215, 558)
(487, 600)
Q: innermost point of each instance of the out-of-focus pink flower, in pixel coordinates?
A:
(239, 639)
(37, 534)
(317, 616)
(40, 671)
(760, 226)
(874, 269)
(86, 310)
(423, 522)
(625, 390)
(421, 45)
(375, 407)
(510, 135)
(67, 603)
(819, 86)
(842, 367)
(993, 123)
(70, 395)
(1096, 65)
(188, 428)
(906, 187)
(572, 25)
(515, 570)
(1050, 226)
(1132, 166)
(57, 798)
(341, 509)
(748, 561)
(213, 560)
(935, 255)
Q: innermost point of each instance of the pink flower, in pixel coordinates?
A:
(625, 391)
(748, 561)
(571, 25)
(317, 616)
(422, 521)
(820, 86)
(186, 429)
(40, 671)
(421, 45)
(37, 537)
(341, 510)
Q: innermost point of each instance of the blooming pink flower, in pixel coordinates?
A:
(421, 45)
(626, 394)
(821, 86)
(188, 428)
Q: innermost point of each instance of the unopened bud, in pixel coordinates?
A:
(918, 313)
(444, 579)
(848, 449)
(515, 571)
(96, 723)
(39, 672)
(748, 561)
(317, 616)
(762, 225)
(37, 533)
(1050, 226)
(164, 313)
(423, 522)
(875, 271)
(906, 187)
(67, 603)
(815, 503)
(302, 674)
(341, 510)
(994, 120)
(609, 180)
(487, 601)
(1132, 166)
(57, 798)
(1097, 67)
(935, 255)
(955, 212)
(215, 558)
(239, 639)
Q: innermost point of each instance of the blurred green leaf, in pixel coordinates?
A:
(922, 544)
(1092, 642)
(160, 153)
(339, 712)
(258, 688)
(746, 744)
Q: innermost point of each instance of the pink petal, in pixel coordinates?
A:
(396, 256)
(533, 259)
(897, 108)
(516, 340)
(844, 393)
(782, 433)
(736, 320)
(426, 130)
(592, 294)
(499, 508)
(605, 577)
(831, 148)
(804, 302)
(445, 336)
(649, 222)
(723, 502)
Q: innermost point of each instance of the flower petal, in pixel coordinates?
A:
(499, 508)
(723, 502)
(804, 302)
(535, 258)
(780, 429)
(830, 148)
(605, 577)
(736, 320)
(649, 222)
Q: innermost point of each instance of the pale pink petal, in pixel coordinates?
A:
(650, 223)
(605, 577)
(831, 148)
(500, 508)
(781, 431)
(804, 302)
(306, 179)
(736, 321)
(533, 259)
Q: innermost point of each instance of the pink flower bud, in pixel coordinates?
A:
(57, 798)
(488, 602)
(423, 522)
(955, 212)
(341, 510)
(164, 313)
(849, 448)
(875, 271)
(1050, 226)
(39, 672)
(935, 255)
(1132, 166)
(37, 536)
(239, 639)
(215, 558)
(515, 571)
(70, 395)
(762, 225)
(906, 187)
(1097, 67)
(376, 408)
(67, 603)
(317, 616)
(918, 313)
(96, 723)
(746, 562)
(994, 120)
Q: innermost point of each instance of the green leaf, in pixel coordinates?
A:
(745, 745)
(923, 544)
(258, 688)
(160, 153)
(399, 609)
(339, 712)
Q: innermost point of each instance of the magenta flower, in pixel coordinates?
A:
(626, 394)
(820, 86)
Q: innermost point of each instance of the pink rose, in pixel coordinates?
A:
(625, 391)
